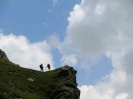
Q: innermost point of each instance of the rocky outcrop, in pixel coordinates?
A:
(3, 55)
(67, 88)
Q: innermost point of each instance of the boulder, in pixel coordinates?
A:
(67, 88)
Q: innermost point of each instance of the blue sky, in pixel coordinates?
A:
(37, 18)
(93, 36)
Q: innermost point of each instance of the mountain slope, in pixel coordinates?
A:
(22, 83)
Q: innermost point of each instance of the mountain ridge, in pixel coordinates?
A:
(24, 83)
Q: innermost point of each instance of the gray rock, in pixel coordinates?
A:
(30, 79)
(66, 89)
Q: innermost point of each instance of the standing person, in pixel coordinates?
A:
(41, 67)
(48, 66)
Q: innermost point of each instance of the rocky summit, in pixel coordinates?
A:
(23, 83)
(3, 55)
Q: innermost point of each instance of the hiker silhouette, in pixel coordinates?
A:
(41, 67)
(48, 65)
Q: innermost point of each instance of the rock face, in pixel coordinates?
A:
(3, 55)
(66, 89)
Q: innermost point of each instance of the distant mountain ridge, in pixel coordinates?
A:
(23, 83)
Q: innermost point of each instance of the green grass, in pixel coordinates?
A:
(14, 82)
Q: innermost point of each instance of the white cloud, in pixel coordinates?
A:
(103, 90)
(54, 41)
(70, 60)
(99, 9)
(92, 92)
(118, 84)
(76, 16)
(20, 51)
(90, 34)
(122, 96)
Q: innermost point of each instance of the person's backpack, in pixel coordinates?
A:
(48, 66)
(40, 65)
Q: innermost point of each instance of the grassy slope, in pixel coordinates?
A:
(14, 83)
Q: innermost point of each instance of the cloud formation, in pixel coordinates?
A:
(99, 27)
(20, 51)
(94, 26)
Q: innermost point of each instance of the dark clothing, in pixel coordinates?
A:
(41, 66)
(48, 66)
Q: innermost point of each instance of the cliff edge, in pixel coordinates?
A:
(67, 87)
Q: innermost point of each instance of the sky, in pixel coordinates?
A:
(95, 37)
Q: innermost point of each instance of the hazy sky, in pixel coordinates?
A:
(93, 36)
